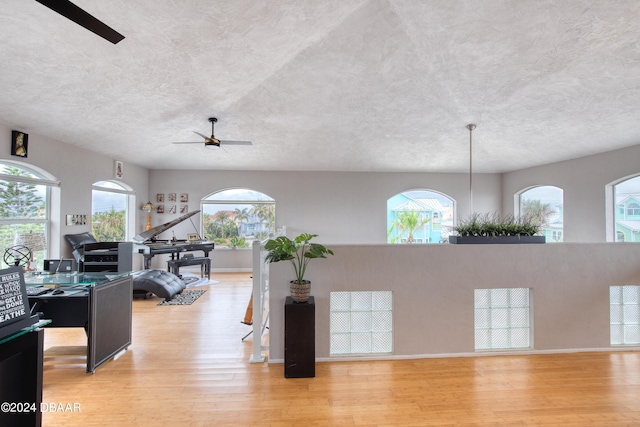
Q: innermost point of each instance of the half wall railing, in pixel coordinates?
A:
(260, 296)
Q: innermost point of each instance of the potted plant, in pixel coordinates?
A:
(486, 228)
(300, 251)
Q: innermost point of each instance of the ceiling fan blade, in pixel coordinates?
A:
(80, 17)
(187, 142)
(225, 142)
(204, 136)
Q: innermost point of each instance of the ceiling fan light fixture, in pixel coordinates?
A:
(212, 143)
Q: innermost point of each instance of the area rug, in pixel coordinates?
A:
(192, 280)
(186, 297)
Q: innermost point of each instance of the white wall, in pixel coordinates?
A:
(77, 170)
(433, 291)
(341, 207)
(583, 181)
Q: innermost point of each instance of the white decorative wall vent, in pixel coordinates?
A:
(502, 319)
(625, 314)
(361, 322)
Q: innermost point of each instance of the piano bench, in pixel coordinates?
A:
(173, 265)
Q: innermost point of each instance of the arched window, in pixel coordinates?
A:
(419, 216)
(25, 193)
(627, 210)
(110, 211)
(235, 217)
(545, 203)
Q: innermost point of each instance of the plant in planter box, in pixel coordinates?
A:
(299, 251)
(494, 227)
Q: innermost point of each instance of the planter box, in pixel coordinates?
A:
(507, 240)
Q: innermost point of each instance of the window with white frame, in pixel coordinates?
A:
(625, 314)
(235, 217)
(502, 319)
(361, 322)
(419, 216)
(626, 199)
(110, 203)
(545, 203)
(24, 211)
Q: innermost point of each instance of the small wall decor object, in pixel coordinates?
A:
(19, 143)
(160, 198)
(184, 209)
(118, 169)
(172, 209)
(160, 209)
(77, 219)
(172, 197)
(184, 198)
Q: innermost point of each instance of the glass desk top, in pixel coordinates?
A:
(26, 330)
(66, 280)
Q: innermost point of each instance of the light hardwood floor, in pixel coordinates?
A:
(188, 367)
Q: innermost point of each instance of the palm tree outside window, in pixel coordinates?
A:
(419, 216)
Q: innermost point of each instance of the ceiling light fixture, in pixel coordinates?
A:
(471, 127)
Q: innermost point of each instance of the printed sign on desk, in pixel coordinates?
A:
(14, 303)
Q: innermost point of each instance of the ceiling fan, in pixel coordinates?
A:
(212, 141)
(80, 17)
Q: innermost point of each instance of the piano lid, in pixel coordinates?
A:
(152, 233)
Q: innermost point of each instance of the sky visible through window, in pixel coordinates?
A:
(549, 195)
(104, 201)
(627, 188)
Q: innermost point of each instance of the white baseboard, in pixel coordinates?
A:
(478, 354)
(231, 270)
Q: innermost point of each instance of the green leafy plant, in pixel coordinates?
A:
(238, 242)
(300, 251)
(406, 222)
(493, 225)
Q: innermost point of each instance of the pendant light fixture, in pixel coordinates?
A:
(471, 127)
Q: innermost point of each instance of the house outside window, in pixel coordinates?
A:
(627, 210)
(24, 213)
(633, 209)
(233, 218)
(546, 204)
(419, 216)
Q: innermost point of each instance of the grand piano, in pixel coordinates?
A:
(147, 244)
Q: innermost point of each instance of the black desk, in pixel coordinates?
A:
(99, 303)
(21, 377)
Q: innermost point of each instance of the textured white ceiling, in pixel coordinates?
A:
(360, 85)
